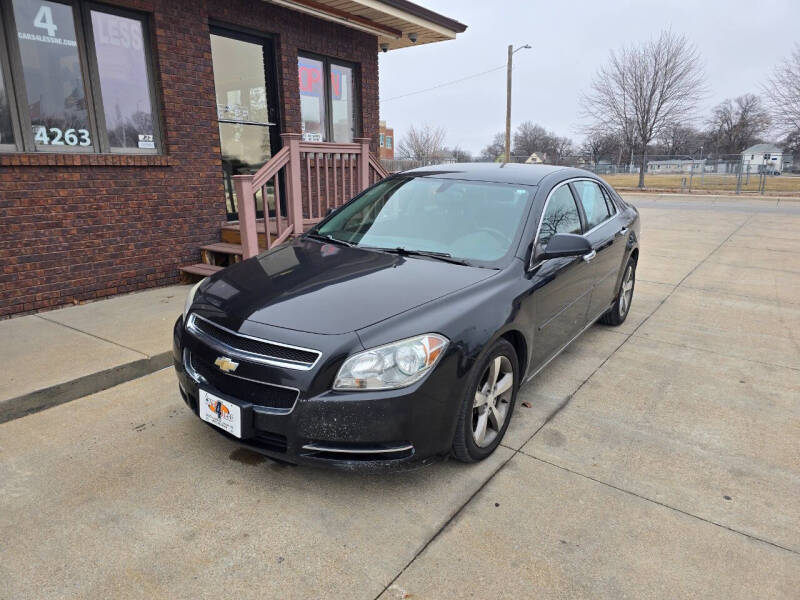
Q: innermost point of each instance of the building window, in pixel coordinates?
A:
(381, 140)
(327, 99)
(82, 78)
(389, 142)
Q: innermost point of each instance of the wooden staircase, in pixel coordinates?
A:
(218, 255)
(315, 176)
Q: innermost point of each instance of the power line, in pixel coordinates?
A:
(436, 87)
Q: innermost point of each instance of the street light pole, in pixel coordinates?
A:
(511, 52)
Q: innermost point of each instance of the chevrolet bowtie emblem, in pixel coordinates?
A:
(226, 364)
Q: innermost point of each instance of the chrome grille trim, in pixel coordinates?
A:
(315, 447)
(200, 380)
(244, 354)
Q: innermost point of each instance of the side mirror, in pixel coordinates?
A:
(566, 244)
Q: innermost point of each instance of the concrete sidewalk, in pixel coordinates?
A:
(57, 356)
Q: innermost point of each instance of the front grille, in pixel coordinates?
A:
(255, 392)
(263, 348)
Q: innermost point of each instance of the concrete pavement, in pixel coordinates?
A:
(659, 459)
(57, 356)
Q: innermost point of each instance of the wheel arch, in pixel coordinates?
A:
(516, 338)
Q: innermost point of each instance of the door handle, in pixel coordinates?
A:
(588, 257)
(622, 231)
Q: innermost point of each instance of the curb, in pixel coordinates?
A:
(19, 406)
(706, 195)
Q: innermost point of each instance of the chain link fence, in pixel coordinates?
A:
(732, 173)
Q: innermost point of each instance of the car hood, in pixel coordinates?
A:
(323, 288)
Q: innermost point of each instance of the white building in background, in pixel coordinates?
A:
(767, 157)
(676, 165)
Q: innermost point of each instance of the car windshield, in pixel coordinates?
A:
(469, 220)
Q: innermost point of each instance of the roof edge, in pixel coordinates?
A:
(427, 14)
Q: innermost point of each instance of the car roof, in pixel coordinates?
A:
(495, 172)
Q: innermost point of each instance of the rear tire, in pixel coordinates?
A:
(488, 403)
(618, 312)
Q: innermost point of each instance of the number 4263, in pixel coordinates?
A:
(70, 137)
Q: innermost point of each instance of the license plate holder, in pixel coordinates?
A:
(221, 413)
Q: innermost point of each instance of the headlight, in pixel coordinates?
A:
(391, 366)
(190, 299)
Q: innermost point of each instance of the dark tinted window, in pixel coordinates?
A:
(52, 72)
(593, 202)
(122, 68)
(560, 216)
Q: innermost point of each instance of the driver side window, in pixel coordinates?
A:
(560, 216)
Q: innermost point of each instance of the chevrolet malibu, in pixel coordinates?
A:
(401, 327)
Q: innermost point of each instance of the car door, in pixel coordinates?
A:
(561, 287)
(606, 233)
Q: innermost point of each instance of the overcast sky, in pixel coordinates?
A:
(739, 41)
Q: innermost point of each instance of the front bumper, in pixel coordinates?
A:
(380, 430)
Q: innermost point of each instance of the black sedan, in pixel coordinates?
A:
(401, 327)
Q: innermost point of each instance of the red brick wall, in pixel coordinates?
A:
(75, 228)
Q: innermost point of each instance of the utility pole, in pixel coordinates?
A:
(508, 102)
(508, 98)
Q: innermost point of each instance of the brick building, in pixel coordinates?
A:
(123, 123)
(385, 141)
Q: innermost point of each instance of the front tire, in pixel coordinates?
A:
(488, 403)
(618, 312)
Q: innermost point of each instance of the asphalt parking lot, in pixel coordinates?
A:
(657, 459)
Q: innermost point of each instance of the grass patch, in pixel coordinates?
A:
(711, 182)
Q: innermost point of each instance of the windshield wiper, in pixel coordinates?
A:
(443, 256)
(328, 238)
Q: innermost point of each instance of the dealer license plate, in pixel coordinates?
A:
(221, 413)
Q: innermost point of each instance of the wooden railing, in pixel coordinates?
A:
(316, 176)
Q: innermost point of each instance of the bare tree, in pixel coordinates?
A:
(496, 149)
(680, 139)
(459, 154)
(737, 124)
(424, 143)
(530, 137)
(644, 89)
(599, 145)
(783, 90)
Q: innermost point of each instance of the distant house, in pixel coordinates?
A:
(537, 158)
(765, 157)
(675, 165)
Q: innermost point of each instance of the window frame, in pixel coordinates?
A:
(5, 72)
(87, 56)
(355, 69)
(86, 8)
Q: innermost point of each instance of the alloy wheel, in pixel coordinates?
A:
(626, 293)
(492, 401)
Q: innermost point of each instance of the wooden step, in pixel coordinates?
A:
(200, 269)
(223, 248)
(232, 236)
